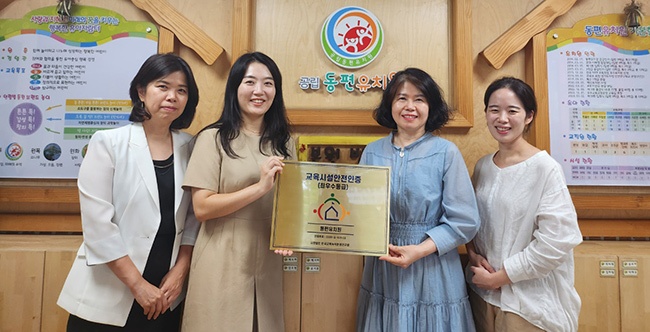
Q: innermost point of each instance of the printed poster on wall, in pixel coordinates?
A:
(599, 109)
(61, 82)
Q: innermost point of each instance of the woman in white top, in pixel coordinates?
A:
(521, 261)
(138, 225)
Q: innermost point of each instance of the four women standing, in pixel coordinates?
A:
(132, 266)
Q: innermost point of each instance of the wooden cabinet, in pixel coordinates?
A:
(21, 289)
(635, 289)
(32, 271)
(321, 289)
(600, 295)
(613, 285)
(321, 294)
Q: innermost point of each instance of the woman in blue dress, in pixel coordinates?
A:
(419, 285)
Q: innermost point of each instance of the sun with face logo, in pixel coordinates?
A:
(352, 37)
(356, 39)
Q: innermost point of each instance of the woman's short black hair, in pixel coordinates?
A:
(439, 111)
(154, 68)
(522, 90)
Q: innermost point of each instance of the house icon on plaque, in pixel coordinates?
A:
(332, 214)
(331, 210)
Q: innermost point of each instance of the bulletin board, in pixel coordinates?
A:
(603, 211)
(51, 204)
(599, 92)
(62, 82)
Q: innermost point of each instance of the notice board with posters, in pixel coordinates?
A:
(62, 81)
(599, 101)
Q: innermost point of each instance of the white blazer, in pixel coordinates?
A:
(120, 215)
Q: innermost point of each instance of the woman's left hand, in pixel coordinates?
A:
(172, 285)
(489, 280)
(402, 256)
(268, 170)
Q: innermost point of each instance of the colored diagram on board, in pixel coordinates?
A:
(61, 82)
(599, 92)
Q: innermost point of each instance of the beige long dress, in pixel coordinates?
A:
(234, 279)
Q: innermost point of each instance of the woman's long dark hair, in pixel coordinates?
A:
(276, 129)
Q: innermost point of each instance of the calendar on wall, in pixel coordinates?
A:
(599, 105)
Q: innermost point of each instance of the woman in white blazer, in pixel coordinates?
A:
(138, 226)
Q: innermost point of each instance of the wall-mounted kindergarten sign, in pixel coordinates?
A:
(352, 37)
(347, 81)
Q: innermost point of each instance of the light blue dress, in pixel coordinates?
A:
(431, 196)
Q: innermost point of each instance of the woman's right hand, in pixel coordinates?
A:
(272, 166)
(480, 261)
(151, 298)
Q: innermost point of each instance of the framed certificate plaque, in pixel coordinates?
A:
(327, 207)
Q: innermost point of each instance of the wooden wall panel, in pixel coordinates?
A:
(600, 296)
(57, 267)
(537, 78)
(21, 282)
(329, 296)
(635, 291)
(27, 196)
(617, 302)
(32, 271)
(292, 291)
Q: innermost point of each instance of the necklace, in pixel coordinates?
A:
(251, 131)
(159, 163)
(402, 143)
(164, 166)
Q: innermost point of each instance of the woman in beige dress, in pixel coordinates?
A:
(235, 280)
